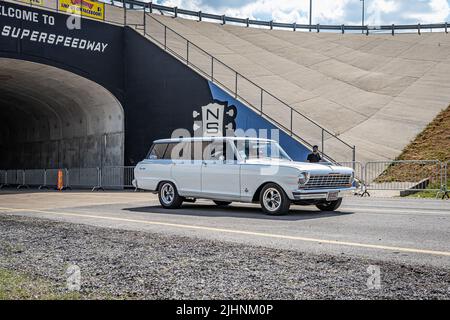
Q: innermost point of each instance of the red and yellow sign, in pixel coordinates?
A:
(87, 8)
(34, 2)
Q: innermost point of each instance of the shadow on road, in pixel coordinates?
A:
(202, 210)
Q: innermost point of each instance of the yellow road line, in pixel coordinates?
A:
(240, 232)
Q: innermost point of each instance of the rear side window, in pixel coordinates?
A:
(157, 151)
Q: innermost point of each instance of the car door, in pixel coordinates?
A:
(186, 168)
(220, 171)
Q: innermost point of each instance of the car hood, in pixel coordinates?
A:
(313, 168)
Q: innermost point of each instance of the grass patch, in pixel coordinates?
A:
(433, 143)
(19, 286)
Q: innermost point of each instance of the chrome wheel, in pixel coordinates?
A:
(167, 193)
(272, 199)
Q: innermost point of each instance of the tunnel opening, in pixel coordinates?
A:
(52, 118)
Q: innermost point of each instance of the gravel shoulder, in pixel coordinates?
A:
(141, 265)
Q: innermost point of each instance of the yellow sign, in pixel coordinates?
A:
(34, 2)
(87, 8)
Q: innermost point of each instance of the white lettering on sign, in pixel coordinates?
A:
(53, 39)
(19, 14)
(44, 37)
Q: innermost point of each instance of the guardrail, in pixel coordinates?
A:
(270, 24)
(406, 176)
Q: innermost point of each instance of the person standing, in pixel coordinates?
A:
(314, 156)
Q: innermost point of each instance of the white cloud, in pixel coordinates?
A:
(325, 11)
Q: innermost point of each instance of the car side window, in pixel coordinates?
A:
(213, 150)
(157, 151)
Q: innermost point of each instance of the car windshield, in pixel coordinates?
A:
(261, 149)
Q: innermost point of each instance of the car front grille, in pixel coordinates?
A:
(331, 180)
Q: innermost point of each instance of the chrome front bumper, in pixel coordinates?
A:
(316, 194)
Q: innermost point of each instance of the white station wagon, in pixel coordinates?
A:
(229, 169)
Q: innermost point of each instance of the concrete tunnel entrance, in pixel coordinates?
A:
(52, 118)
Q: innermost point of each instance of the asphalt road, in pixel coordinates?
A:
(407, 231)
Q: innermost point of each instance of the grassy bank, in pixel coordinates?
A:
(433, 143)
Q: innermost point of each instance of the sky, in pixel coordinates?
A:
(325, 11)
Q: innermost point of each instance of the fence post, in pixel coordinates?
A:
(323, 141)
(295, 26)
(354, 153)
(187, 52)
(393, 29)
(124, 12)
(262, 94)
(318, 28)
(212, 68)
(446, 31)
(342, 29)
(175, 10)
(165, 37)
(199, 16)
(292, 117)
(248, 22)
(236, 85)
(418, 28)
(145, 19)
(151, 6)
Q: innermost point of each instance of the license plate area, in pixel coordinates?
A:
(332, 196)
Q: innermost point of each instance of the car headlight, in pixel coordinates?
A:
(303, 179)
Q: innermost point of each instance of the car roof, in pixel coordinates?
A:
(211, 139)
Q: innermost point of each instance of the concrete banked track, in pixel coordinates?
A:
(376, 92)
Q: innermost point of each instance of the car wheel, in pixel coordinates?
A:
(168, 196)
(330, 205)
(274, 200)
(222, 203)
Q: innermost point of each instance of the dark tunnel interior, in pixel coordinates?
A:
(52, 118)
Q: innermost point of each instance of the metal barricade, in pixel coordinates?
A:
(3, 182)
(445, 183)
(34, 177)
(11, 178)
(84, 178)
(406, 176)
(360, 183)
(117, 177)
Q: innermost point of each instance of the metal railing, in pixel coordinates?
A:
(270, 24)
(276, 111)
(117, 177)
(408, 176)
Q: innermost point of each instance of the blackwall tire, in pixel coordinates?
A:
(168, 196)
(330, 206)
(274, 200)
